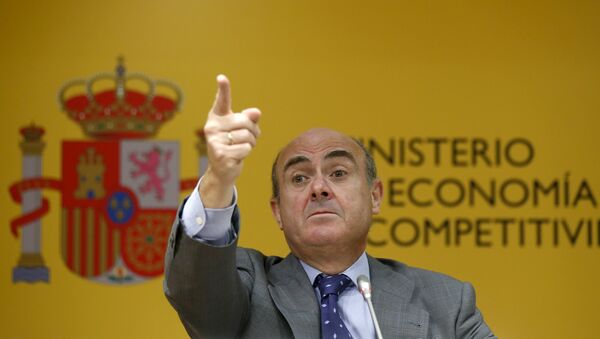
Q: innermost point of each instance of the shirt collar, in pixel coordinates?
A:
(360, 266)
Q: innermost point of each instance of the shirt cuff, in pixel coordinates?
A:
(212, 225)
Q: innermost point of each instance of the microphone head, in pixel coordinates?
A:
(364, 286)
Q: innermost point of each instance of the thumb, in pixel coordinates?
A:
(222, 104)
(252, 113)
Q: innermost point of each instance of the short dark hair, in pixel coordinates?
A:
(369, 164)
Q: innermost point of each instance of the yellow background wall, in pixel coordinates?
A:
(380, 69)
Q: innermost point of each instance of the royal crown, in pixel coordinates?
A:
(130, 106)
(32, 132)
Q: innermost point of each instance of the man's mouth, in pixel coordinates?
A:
(318, 213)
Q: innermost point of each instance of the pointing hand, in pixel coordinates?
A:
(230, 138)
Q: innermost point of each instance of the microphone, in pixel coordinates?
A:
(364, 286)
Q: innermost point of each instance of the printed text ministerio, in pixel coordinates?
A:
(486, 195)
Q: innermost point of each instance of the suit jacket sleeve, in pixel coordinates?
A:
(470, 323)
(203, 285)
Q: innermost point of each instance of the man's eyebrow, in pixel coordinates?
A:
(293, 161)
(340, 153)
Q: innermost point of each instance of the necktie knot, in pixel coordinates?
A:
(331, 284)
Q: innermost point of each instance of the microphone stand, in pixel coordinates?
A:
(364, 286)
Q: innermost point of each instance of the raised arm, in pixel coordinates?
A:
(202, 281)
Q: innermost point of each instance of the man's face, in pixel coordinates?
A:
(324, 197)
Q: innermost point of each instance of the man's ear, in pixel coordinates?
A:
(376, 196)
(275, 211)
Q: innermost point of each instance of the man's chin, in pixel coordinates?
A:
(324, 234)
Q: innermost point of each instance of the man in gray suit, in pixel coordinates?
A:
(325, 191)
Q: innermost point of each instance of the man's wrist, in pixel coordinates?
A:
(212, 225)
(214, 191)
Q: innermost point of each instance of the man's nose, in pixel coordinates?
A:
(320, 188)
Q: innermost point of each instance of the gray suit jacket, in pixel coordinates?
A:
(230, 292)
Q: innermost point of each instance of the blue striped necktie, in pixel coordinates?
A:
(330, 287)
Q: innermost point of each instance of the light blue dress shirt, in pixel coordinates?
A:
(354, 311)
(213, 226)
(195, 219)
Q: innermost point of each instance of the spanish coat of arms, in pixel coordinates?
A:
(120, 188)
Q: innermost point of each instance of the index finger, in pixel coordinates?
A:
(222, 104)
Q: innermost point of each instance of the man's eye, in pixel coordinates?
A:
(338, 173)
(298, 179)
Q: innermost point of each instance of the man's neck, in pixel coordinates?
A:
(331, 262)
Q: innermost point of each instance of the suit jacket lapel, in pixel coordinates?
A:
(391, 294)
(295, 298)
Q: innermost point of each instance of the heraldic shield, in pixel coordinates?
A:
(120, 187)
(119, 200)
